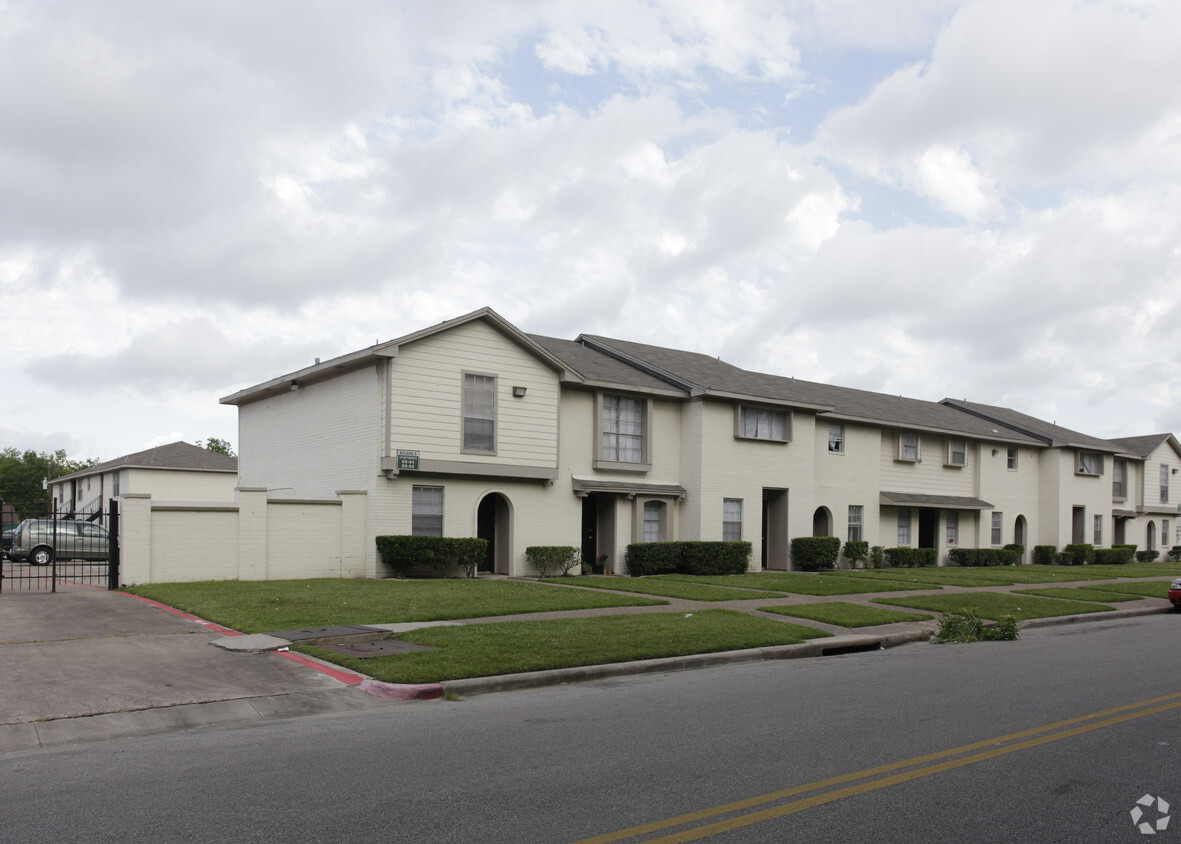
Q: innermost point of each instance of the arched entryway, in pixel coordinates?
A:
(1151, 536)
(822, 522)
(494, 524)
(1019, 531)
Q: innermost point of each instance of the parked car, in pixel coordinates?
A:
(40, 541)
(1175, 593)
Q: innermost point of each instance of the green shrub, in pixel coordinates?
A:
(909, 558)
(1175, 554)
(546, 557)
(1078, 554)
(984, 556)
(700, 558)
(1116, 556)
(856, 552)
(1044, 555)
(402, 553)
(815, 553)
(966, 626)
(1018, 547)
(1147, 556)
(877, 557)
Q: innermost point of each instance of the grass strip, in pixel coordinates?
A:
(1080, 593)
(847, 615)
(796, 583)
(268, 605)
(1145, 588)
(926, 578)
(993, 605)
(650, 586)
(508, 647)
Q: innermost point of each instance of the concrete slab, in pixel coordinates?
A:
(326, 634)
(407, 626)
(254, 643)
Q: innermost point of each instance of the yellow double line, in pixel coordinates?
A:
(920, 766)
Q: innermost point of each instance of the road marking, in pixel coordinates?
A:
(1011, 744)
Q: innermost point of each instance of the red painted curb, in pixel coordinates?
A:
(215, 627)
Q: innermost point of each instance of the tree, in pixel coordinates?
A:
(220, 446)
(21, 473)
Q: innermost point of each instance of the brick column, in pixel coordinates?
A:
(252, 533)
(135, 538)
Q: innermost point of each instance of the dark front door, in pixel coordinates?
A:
(590, 531)
(928, 527)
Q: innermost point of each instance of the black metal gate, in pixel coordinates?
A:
(44, 548)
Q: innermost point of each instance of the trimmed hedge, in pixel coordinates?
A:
(815, 553)
(1116, 556)
(909, 558)
(1147, 556)
(1044, 555)
(1016, 546)
(877, 557)
(546, 557)
(701, 558)
(857, 552)
(970, 557)
(1078, 554)
(1175, 554)
(402, 553)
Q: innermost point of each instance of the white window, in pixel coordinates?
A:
(1012, 459)
(115, 485)
(1164, 483)
(957, 452)
(623, 429)
(1090, 463)
(654, 521)
(953, 527)
(1098, 538)
(855, 514)
(760, 423)
(836, 438)
(997, 528)
(908, 446)
(1164, 533)
(731, 519)
(426, 518)
(1119, 470)
(479, 413)
(903, 527)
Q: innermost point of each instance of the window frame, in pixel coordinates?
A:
(1080, 465)
(416, 529)
(997, 532)
(856, 524)
(1119, 479)
(467, 401)
(601, 460)
(837, 440)
(1097, 535)
(1164, 483)
(901, 456)
(952, 527)
(730, 525)
(1012, 455)
(661, 521)
(952, 452)
(740, 426)
(904, 531)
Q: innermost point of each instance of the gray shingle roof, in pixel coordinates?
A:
(1141, 446)
(599, 368)
(177, 455)
(1048, 432)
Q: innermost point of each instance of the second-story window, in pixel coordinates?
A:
(957, 452)
(908, 446)
(1164, 483)
(479, 413)
(623, 429)
(1089, 463)
(762, 423)
(836, 438)
(1011, 460)
(1119, 471)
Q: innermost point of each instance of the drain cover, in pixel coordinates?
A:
(384, 647)
(323, 632)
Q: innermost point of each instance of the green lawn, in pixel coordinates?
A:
(269, 605)
(1080, 593)
(995, 604)
(1145, 588)
(653, 586)
(797, 583)
(508, 647)
(846, 615)
(926, 578)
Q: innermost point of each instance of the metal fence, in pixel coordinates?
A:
(44, 548)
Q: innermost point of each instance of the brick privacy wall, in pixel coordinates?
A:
(193, 545)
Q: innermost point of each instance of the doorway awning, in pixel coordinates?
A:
(943, 502)
(585, 486)
(1123, 514)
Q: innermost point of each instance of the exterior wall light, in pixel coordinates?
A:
(518, 392)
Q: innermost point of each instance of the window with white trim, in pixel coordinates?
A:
(426, 511)
(1164, 483)
(1011, 458)
(115, 484)
(731, 519)
(654, 521)
(479, 413)
(623, 429)
(1089, 463)
(1164, 534)
(908, 446)
(1098, 537)
(763, 423)
(903, 527)
(998, 528)
(953, 527)
(856, 512)
(957, 452)
(1119, 471)
(836, 438)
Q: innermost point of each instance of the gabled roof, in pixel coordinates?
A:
(368, 356)
(1142, 447)
(708, 376)
(176, 456)
(1050, 434)
(602, 370)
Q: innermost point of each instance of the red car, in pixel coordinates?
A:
(1175, 593)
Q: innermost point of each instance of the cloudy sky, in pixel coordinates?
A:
(977, 200)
